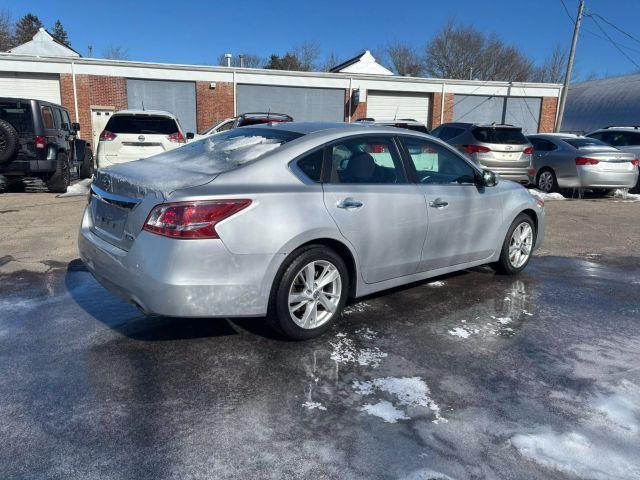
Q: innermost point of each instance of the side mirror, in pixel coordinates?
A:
(489, 179)
(75, 126)
(190, 135)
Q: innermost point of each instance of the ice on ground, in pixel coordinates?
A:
(80, 188)
(574, 453)
(407, 391)
(545, 196)
(355, 308)
(625, 195)
(503, 320)
(344, 350)
(436, 284)
(459, 332)
(620, 407)
(386, 411)
(193, 164)
(309, 405)
(367, 333)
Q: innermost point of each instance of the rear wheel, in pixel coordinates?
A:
(517, 247)
(60, 180)
(310, 293)
(546, 181)
(9, 141)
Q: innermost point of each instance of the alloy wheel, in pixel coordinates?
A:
(315, 294)
(545, 181)
(520, 245)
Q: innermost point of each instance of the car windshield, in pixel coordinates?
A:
(18, 114)
(146, 124)
(508, 136)
(584, 142)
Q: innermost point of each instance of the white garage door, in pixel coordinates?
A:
(395, 105)
(30, 85)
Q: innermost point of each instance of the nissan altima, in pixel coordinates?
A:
(290, 220)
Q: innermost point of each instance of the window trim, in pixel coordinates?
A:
(414, 172)
(328, 160)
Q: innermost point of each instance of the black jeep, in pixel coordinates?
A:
(37, 139)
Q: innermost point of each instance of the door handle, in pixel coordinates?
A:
(438, 203)
(349, 203)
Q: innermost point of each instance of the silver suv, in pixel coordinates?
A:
(626, 139)
(500, 148)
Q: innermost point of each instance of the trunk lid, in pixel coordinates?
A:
(610, 159)
(506, 146)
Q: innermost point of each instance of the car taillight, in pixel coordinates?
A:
(528, 151)
(531, 171)
(188, 220)
(176, 137)
(586, 161)
(476, 149)
(41, 142)
(108, 136)
(635, 162)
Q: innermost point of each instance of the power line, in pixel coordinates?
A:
(591, 14)
(612, 41)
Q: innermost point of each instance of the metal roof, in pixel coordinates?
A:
(598, 103)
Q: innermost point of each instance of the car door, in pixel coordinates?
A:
(377, 210)
(547, 154)
(464, 217)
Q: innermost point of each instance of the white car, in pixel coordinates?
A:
(134, 134)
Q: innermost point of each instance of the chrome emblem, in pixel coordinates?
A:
(106, 183)
(141, 138)
(508, 147)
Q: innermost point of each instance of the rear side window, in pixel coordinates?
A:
(17, 114)
(144, 124)
(624, 139)
(506, 136)
(47, 117)
(311, 165)
(541, 145)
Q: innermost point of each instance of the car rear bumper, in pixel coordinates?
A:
(26, 167)
(180, 278)
(588, 177)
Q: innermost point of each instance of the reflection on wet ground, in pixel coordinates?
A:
(469, 376)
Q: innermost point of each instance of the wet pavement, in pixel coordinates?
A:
(468, 376)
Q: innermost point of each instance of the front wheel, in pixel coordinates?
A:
(517, 247)
(310, 293)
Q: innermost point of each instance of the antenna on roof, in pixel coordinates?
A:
(143, 105)
(395, 117)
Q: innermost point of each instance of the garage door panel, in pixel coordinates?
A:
(302, 103)
(179, 98)
(383, 105)
(30, 85)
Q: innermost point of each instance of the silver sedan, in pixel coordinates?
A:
(288, 221)
(570, 161)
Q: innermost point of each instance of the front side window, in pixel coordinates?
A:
(57, 117)
(437, 164)
(366, 160)
(311, 165)
(47, 117)
(65, 119)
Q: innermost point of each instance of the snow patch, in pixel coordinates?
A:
(346, 351)
(80, 188)
(545, 196)
(386, 411)
(460, 332)
(309, 405)
(436, 284)
(367, 333)
(355, 308)
(625, 195)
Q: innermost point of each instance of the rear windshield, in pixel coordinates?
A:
(147, 124)
(508, 136)
(585, 142)
(17, 114)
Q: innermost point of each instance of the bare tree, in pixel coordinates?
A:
(116, 52)
(249, 60)
(6, 30)
(405, 59)
(553, 68)
(464, 52)
(307, 54)
(330, 61)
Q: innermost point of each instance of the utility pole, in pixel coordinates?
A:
(567, 75)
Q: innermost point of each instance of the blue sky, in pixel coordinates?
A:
(198, 31)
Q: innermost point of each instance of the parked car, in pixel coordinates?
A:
(289, 220)
(134, 134)
(626, 139)
(37, 139)
(408, 123)
(501, 148)
(571, 161)
(247, 119)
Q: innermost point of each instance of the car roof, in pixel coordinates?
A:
(27, 100)
(307, 128)
(554, 135)
(162, 113)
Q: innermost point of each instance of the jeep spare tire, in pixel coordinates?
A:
(8, 141)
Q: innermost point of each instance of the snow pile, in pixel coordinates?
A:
(386, 411)
(310, 405)
(407, 391)
(436, 284)
(625, 195)
(80, 188)
(193, 164)
(344, 350)
(545, 196)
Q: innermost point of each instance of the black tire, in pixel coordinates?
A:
(544, 174)
(87, 165)
(604, 192)
(9, 141)
(279, 316)
(504, 265)
(60, 180)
